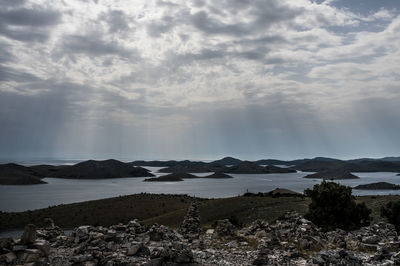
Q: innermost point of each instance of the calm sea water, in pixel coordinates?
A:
(63, 191)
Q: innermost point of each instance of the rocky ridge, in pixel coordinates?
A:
(291, 240)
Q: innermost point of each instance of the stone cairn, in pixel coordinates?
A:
(25, 251)
(225, 228)
(190, 227)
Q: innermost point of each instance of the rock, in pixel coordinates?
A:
(210, 231)
(232, 244)
(137, 250)
(49, 223)
(374, 239)
(225, 228)
(17, 248)
(9, 257)
(81, 258)
(6, 242)
(29, 257)
(29, 235)
(43, 246)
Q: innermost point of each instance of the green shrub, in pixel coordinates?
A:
(332, 206)
(392, 213)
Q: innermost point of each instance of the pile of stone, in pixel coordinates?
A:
(291, 240)
(29, 249)
(225, 228)
(51, 232)
(295, 240)
(190, 227)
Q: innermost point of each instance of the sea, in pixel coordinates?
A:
(64, 191)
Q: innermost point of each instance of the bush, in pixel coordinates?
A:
(332, 206)
(392, 213)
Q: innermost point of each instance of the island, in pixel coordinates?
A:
(174, 177)
(101, 169)
(218, 175)
(14, 174)
(247, 167)
(193, 167)
(378, 186)
(333, 174)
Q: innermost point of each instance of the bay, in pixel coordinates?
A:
(64, 191)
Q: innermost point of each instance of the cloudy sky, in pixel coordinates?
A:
(199, 79)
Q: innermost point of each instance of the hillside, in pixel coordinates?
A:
(170, 210)
(101, 169)
(14, 174)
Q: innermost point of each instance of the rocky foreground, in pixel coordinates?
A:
(292, 240)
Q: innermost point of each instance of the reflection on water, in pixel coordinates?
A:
(63, 191)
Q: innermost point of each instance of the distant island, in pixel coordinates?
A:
(14, 174)
(176, 177)
(242, 167)
(101, 169)
(334, 174)
(378, 186)
(325, 168)
(317, 164)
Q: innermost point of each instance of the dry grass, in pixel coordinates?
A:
(170, 210)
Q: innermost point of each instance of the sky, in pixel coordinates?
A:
(199, 79)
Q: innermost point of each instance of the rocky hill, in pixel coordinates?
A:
(101, 169)
(291, 240)
(14, 174)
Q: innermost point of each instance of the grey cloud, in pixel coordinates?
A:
(93, 45)
(198, 3)
(12, 2)
(264, 14)
(202, 21)
(117, 20)
(24, 35)
(28, 24)
(30, 17)
(166, 3)
(11, 74)
(265, 40)
(163, 25)
(5, 55)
